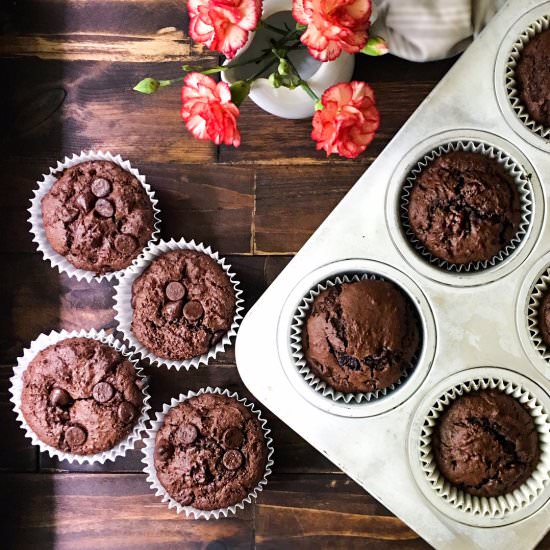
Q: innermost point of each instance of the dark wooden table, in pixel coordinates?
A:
(68, 67)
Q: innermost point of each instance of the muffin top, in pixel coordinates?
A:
(210, 452)
(486, 443)
(183, 304)
(81, 396)
(533, 78)
(360, 336)
(464, 208)
(544, 318)
(98, 216)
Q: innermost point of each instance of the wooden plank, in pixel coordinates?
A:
(56, 109)
(97, 512)
(16, 451)
(291, 202)
(341, 515)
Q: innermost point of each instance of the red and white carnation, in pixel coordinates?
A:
(333, 26)
(208, 111)
(348, 120)
(223, 25)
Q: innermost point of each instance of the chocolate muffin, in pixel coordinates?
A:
(360, 336)
(486, 443)
(533, 78)
(210, 452)
(183, 304)
(544, 318)
(81, 396)
(464, 208)
(98, 216)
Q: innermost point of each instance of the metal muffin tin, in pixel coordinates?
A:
(470, 320)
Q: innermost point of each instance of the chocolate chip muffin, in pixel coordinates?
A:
(183, 304)
(210, 452)
(533, 78)
(544, 318)
(464, 208)
(98, 216)
(361, 336)
(81, 396)
(486, 443)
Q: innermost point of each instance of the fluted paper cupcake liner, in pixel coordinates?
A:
(16, 389)
(511, 168)
(539, 290)
(486, 507)
(151, 471)
(37, 222)
(514, 96)
(310, 377)
(124, 310)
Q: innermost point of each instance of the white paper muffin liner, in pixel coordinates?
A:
(151, 471)
(37, 223)
(514, 96)
(486, 507)
(16, 389)
(539, 290)
(510, 166)
(310, 377)
(124, 310)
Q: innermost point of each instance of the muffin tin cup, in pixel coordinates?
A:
(37, 223)
(16, 389)
(149, 458)
(514, 170)
(540, 25)
(538, 291)
(124, 310)
(458, 504)
(310, 377)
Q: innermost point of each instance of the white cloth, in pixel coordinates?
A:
(424, 30)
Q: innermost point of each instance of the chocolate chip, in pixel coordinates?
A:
(232, 459)
(172, 310)
(101, 187)
(164, 450)
(175, 291)
(126, 244)
(187, 433)
(193, 311)
(75, 436)
(68, 214)
(126, 412)
(104, 208)
(232, 438)
(60, 398)
(85, 201)
(217, 337)
(186, 498)
(103, 391)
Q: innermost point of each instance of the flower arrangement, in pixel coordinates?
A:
(345, 119)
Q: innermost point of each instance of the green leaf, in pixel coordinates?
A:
(148, 86)
(239, 91)
(375, 46)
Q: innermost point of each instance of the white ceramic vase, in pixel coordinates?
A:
(282, 102)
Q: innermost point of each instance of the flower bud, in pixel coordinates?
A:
(147, 86)
(284, 67)
(275, 80)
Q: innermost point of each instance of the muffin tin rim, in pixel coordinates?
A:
(396, 397)
(418, 418)
(515, 30)
(392, 208)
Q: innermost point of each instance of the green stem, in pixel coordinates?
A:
(303, 84)
(261, 71)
